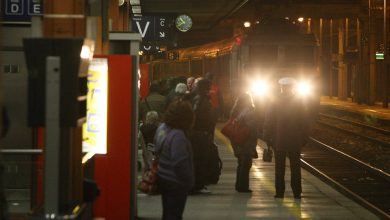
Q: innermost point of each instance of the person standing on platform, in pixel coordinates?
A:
(215, 99)
(286, 129)
(201, 138)
(175, 168)
(244, 112)
(153, 102)
(148, 131)
(180, 91)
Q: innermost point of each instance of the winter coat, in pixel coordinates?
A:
(175, 156)
(287, 122)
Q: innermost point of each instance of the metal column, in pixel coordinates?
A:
(52, 137)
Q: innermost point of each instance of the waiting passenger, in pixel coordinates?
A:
(180, 91)
(202, 135)
(190, 83)
(215, 98)
(153, 102)
(286, 129)
(148, 130)
(244, 112)
(175, 173)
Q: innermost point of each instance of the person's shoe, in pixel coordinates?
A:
(278, 196)
(244, 190)
(204, 190)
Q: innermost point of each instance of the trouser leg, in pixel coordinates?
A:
(173, 200)
(295, 167)
(244, 166)
(280, 163)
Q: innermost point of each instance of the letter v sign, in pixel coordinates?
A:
(143, 33)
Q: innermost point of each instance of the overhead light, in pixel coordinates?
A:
(121, 2)
(301, 19)
(247, 24)
(134, 2)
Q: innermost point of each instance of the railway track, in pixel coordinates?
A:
(359, 181)
(371, 133)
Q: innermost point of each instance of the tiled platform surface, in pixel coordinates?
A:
(376, 110)
(319, 201)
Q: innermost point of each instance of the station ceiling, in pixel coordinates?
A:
(205, 13)
(217, 19)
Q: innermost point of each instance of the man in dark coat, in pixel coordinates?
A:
(286, 129)
(153, 102)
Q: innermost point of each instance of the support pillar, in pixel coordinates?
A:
(342, 76)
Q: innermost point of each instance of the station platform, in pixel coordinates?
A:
(319, 201)
(373, 110)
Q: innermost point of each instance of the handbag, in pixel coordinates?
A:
(148, 183)
(237, 132)
(267, 154)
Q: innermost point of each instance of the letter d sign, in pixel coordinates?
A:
(14, 7)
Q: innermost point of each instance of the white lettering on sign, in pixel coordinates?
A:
(162, 34)
(162, 22)
(143, 32)
(147, 47)
(37, 9)
(15, 8)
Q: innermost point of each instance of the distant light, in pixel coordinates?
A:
(247, 24)
(121, 2)
(301, 19)
(238, 41)
(286, 18)
(257, 22)
(85, 52)
(379, 56)
(140, 53)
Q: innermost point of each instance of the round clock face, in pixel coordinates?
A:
(183, 23)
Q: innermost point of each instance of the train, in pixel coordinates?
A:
(270, 50)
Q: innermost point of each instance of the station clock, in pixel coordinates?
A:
(183, 23)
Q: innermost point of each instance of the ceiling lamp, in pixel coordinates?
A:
(247, 24)
(301, 19)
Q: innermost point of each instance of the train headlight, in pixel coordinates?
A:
(304, 88)
(259, 88)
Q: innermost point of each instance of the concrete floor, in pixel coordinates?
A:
(319, 201)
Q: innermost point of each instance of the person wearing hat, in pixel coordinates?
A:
(286, 129)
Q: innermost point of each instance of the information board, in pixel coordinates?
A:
(95, 129)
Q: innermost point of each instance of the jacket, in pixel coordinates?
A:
(175, 156)
(286, 126)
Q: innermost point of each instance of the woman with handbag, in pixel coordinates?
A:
(175, 164)
(243, 112)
